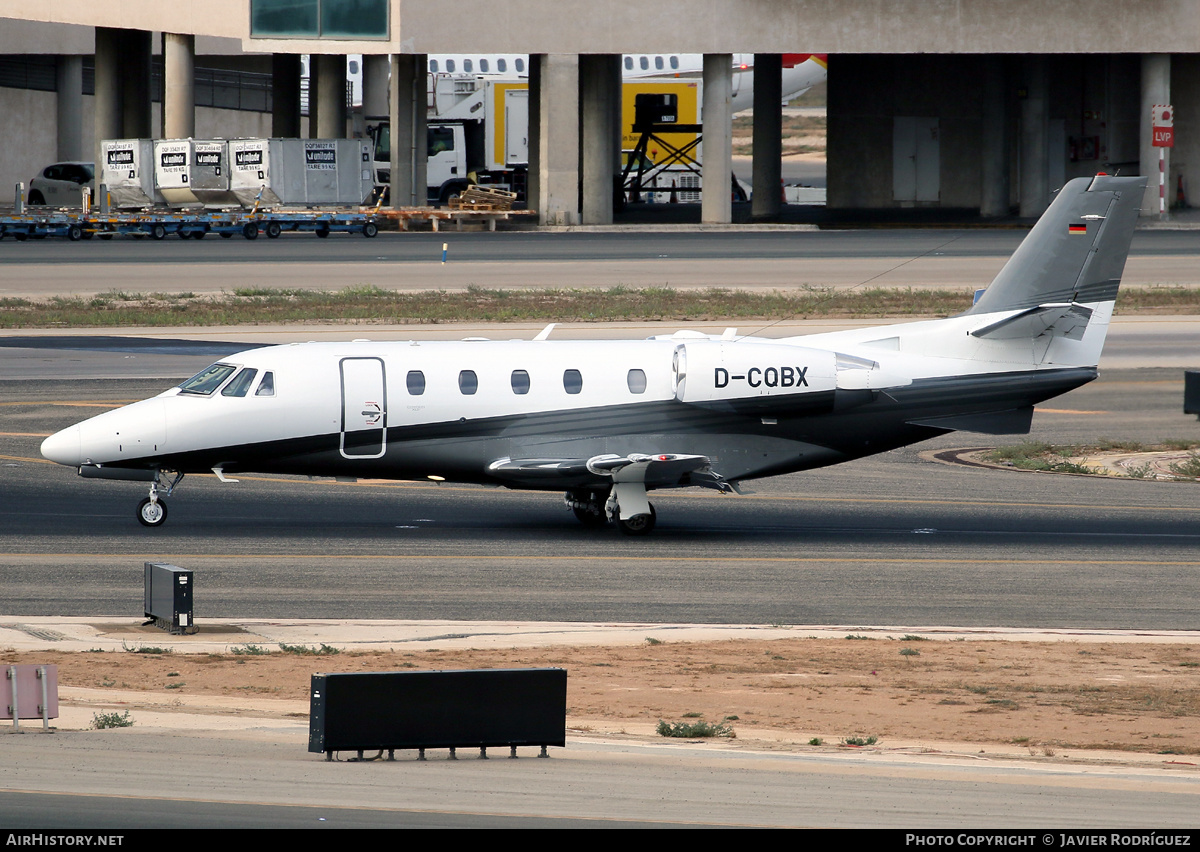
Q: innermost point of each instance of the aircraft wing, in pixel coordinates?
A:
(660, 470)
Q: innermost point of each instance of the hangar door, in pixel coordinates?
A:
(916, 159)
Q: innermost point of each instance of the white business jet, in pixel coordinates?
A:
(606, 422)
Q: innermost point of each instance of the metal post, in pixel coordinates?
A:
(41, 673)
(12, 677)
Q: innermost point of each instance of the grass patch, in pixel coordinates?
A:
(1038, 455)
(250, 651)
(370, 304)
(309, 651)
(860, 741)
(693, 730)
(100, 721)
(1189, 467)
(144, 649)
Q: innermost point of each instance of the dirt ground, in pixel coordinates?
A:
(1044, 699)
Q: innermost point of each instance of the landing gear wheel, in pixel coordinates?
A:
(273, 230)
(591, 517)
(638, 524)
(370, 229)
(151, 513)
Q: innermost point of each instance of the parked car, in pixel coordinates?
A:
(59, 184)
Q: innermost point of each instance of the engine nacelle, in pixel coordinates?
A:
(714, 371)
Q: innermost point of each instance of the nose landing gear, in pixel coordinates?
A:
(152, 511)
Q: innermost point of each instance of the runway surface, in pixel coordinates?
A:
(961, 259)
(897, 539)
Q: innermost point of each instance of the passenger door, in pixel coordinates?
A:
(364, 408)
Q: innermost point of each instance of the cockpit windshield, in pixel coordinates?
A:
(207, 380)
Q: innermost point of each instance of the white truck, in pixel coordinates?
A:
(478, 134)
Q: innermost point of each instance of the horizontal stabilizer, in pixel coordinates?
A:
(1056, 320)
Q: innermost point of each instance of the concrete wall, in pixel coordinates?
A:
(28, 146)
(692, 26)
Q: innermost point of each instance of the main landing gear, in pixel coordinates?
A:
(152, 511)
(596, 508)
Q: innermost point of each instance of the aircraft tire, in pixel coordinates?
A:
(151, 515)
(638, 524)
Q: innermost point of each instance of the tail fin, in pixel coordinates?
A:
(1076, 251)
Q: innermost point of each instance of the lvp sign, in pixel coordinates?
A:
(1162, 126)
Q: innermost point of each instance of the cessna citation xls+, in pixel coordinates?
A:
(608, 421)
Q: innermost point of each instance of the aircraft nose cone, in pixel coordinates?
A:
(63, 447)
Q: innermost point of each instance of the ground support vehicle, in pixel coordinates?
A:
(159, 224)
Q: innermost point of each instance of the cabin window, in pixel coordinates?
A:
(636, 381)
(450, 66)
(207, 380)
(520, 64)
(240, 385)
(572, 381)
(483, 65)
(520, 382)
(267, 386)
(468, 382)
(658, 63)
(433, 66)
(645, 63)
(467, 65)
(628, 63)
(501, 65)
(416, 382)
(675, 62)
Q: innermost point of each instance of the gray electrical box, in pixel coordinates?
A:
(169, 597)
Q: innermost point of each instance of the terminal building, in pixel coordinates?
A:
(953, 105)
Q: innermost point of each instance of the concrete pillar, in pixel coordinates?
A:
(558, 140)
(285, 95)
(70, 107)
(179, 86)
(766, 198)
(532, 182)
(407, 98)
(107, 103)
(135, 69)
(599, 86)
(715, 204)
(993, 146)
(1035, 138)
(1156, 89)
(330, 96)
(375, 85)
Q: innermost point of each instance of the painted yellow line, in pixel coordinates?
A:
(774, 498)
(25, 434)
(116, 403)
(23, 459)
(1040, 410)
